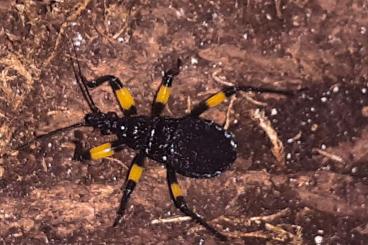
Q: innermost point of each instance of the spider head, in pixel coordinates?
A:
(105, 122)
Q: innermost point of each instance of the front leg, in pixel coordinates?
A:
(134, 174)
(98, 152)
(163, 93)
(122, 93)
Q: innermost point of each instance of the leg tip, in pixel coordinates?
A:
(117, 221)
(222, 237)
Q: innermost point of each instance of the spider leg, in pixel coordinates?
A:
(219, 97)
(163, 93)
(98, 152)
(178, 199)
(134, 174)
(122, 94)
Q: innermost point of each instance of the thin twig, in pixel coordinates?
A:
(265, 124)
(189, 105)
(331, 156)
(272, 217)
(171, 220)
(118, 162)
(254, 101)
(228, 112)
(221, 80)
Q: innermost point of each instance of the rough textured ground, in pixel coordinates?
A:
(313, 186)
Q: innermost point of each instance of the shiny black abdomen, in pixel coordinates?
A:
(192, 146)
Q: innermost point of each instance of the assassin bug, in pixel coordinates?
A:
(191, 146)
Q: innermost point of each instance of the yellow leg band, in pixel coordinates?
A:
(135, 173)
(163, 94)
(176, 190)
(125, 98)
(101, 151)
(216, 99)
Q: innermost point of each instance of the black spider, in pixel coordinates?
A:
(189, 145)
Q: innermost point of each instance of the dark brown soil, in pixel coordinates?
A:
(314, 187)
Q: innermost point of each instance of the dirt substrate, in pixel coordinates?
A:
(301, 176)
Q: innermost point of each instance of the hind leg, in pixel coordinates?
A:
(226, 92)
(178, 199)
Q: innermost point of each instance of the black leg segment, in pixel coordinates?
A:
(226, 92)
(98, 152)
(135, 173)
(177, 197)
(163, 93)
(123, 95)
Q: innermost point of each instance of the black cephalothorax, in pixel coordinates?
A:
(189, 145)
